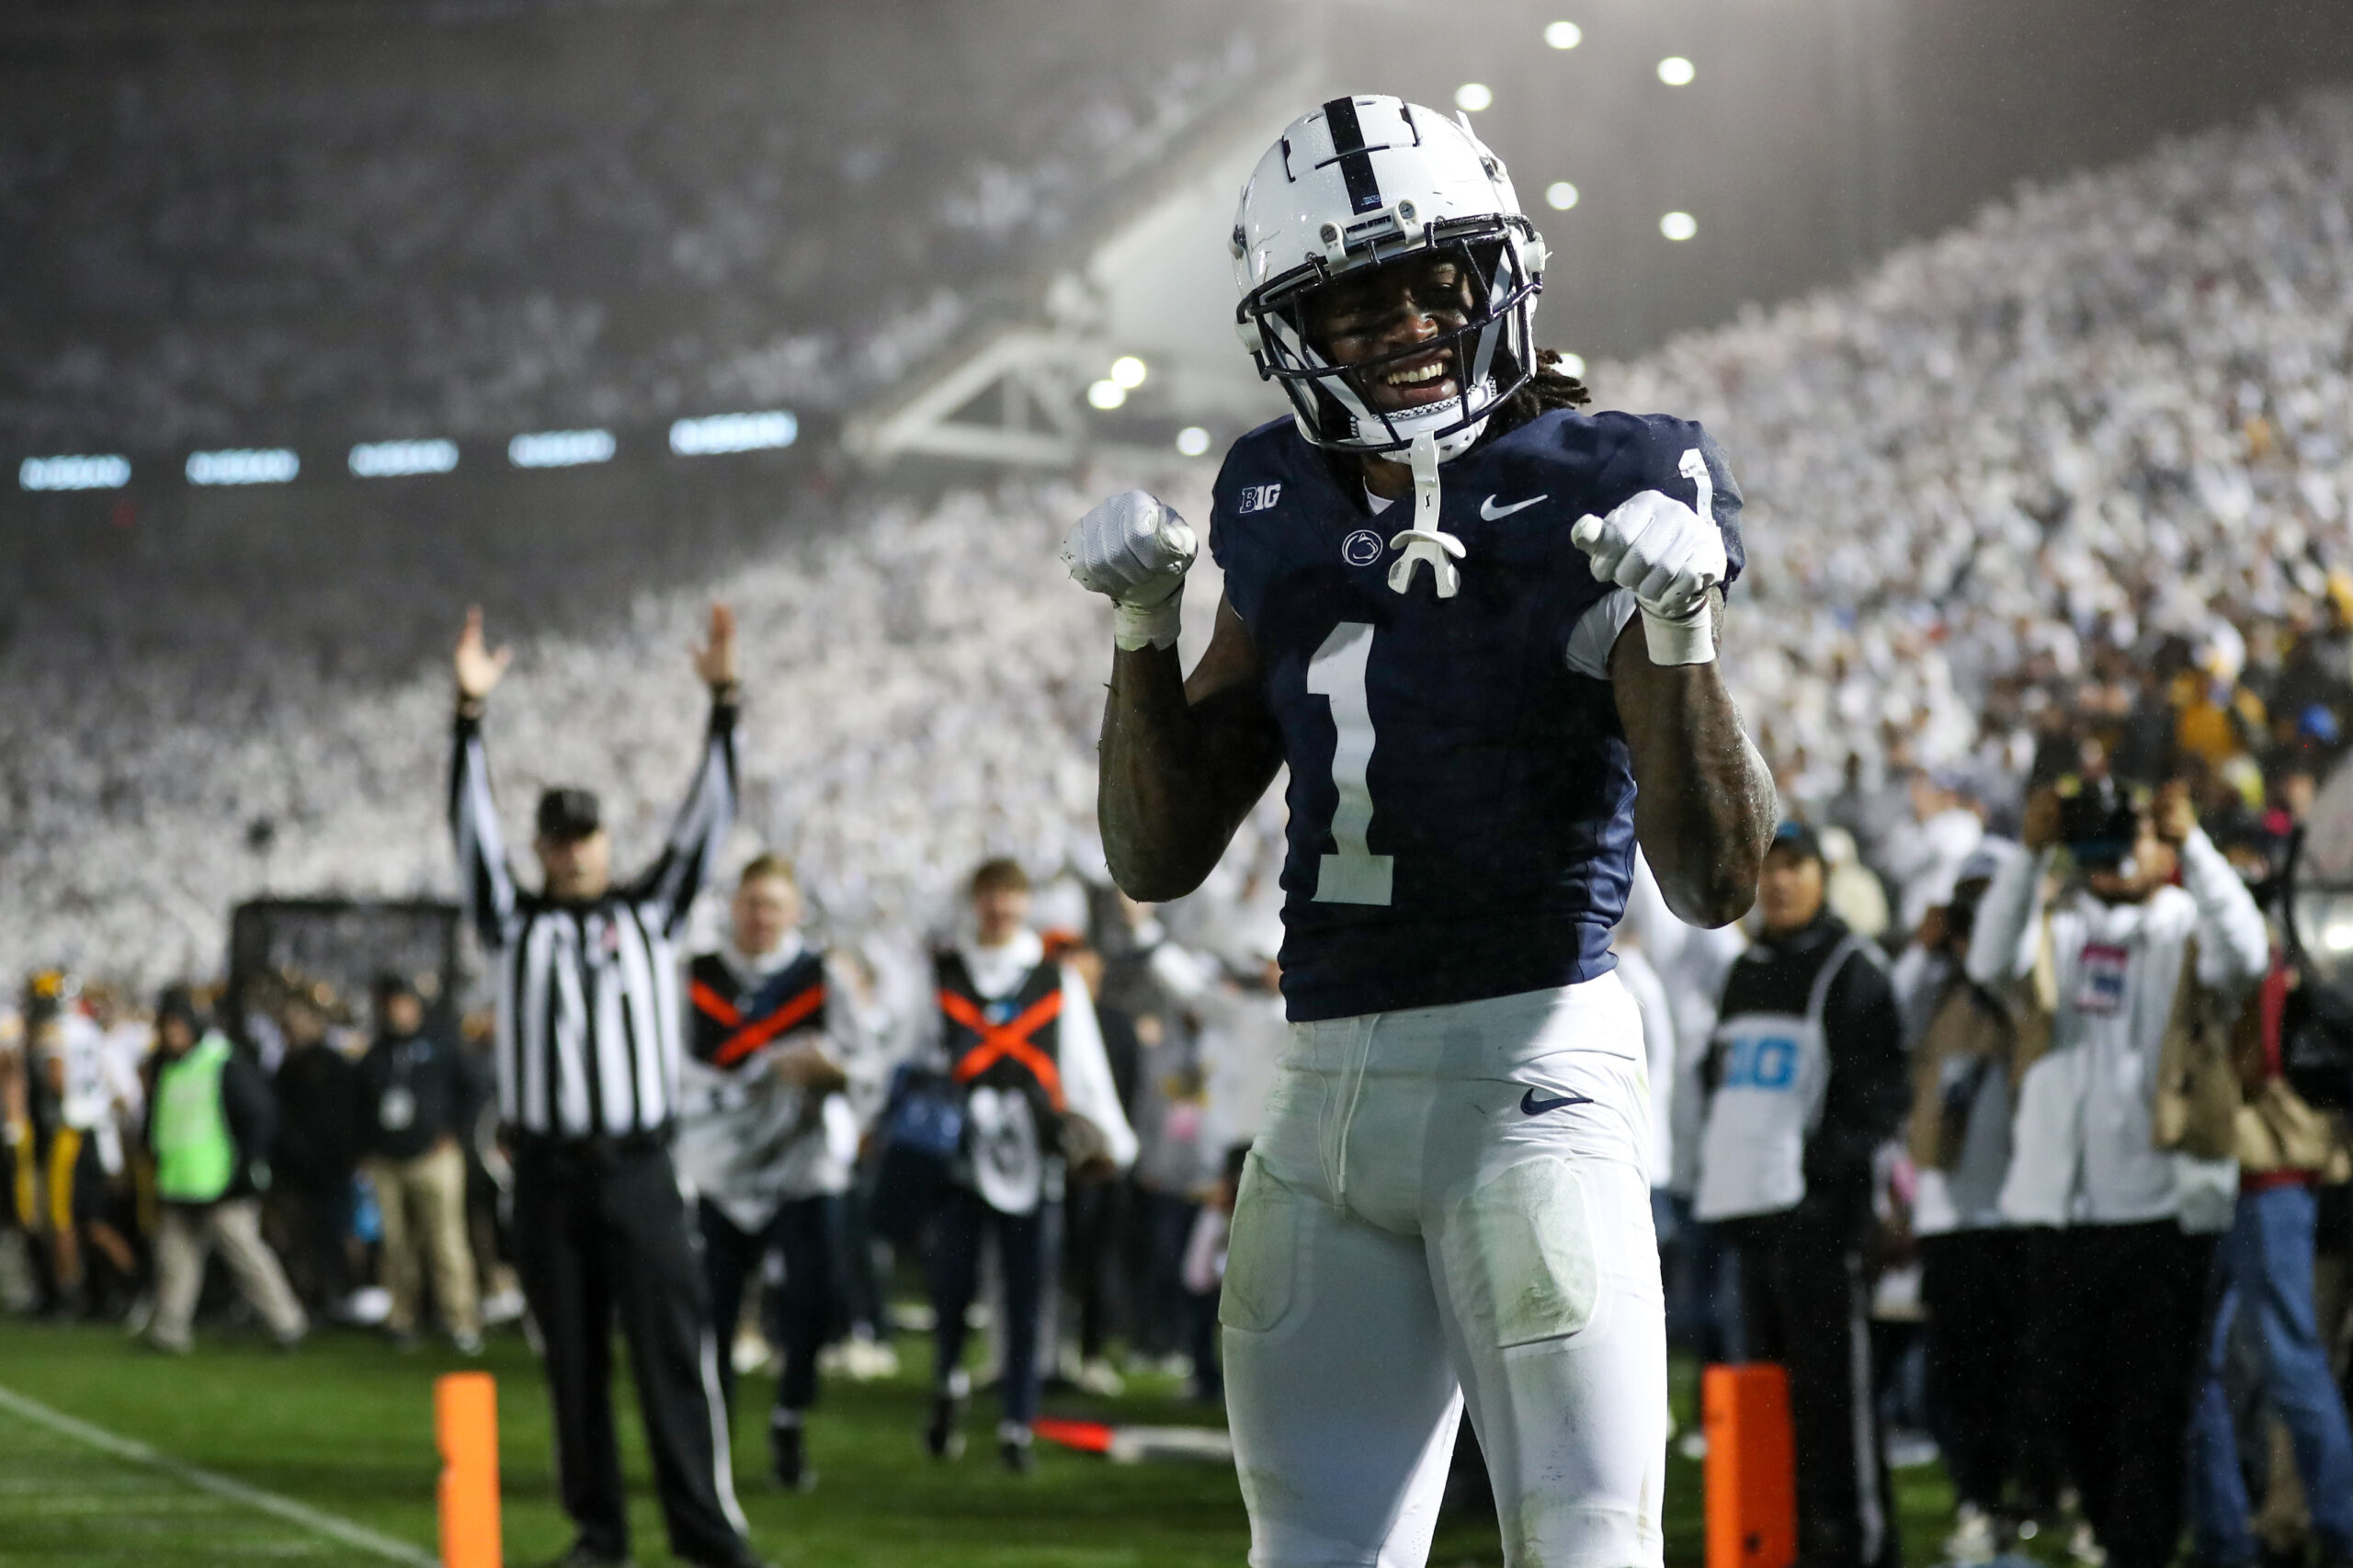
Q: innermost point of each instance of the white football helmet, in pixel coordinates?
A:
(1357, 184)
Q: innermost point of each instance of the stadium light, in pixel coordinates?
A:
(1106, 396)
(1472, 97)
(1574, 365)
(94, 471)
(260, 465)
(1564, 35)
(1678, 226)
(1677, 72)
(560, 448)
(733, 433)
(1192, 440)
(1560, 196)
(391, 459)
(1128, 371)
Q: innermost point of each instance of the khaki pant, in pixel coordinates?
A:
(424, 1205)
(186, 1236)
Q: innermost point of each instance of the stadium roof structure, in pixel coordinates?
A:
(309, 225)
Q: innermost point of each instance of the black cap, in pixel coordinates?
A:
(179, 1002)
(567, 813)
(1794, 837)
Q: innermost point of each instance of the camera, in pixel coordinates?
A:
(2098, 821)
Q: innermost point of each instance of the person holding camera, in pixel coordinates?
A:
(2152, 938)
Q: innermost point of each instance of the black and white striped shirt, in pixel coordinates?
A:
(590, 1012)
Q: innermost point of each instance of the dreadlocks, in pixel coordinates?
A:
(1549, 387)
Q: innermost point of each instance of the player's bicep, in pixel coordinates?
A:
(1240, 739)
(1230, 660)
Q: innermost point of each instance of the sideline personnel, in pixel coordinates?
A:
(589, 1018)
(1805, 1080)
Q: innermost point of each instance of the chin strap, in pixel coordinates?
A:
(1425, 541)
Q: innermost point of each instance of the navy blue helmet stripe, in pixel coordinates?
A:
(1356, 162)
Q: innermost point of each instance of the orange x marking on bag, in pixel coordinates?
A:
(749, 1038)
(1007, 1039)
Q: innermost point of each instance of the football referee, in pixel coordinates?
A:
(589, 1020)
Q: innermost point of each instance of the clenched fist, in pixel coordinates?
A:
(1668, 556)
(1135, 551)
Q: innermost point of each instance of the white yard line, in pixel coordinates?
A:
(286, 1508)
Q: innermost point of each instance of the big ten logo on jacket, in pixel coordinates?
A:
(738, 1118)
(1772, 1076)
(1004, 1052)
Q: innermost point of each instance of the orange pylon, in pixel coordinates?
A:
(1752, 1476)
(465, 1422)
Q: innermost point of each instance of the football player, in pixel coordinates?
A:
(1434, 573)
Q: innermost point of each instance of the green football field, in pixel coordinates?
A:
(173, 1463)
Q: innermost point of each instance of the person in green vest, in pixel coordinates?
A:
(210, 1119)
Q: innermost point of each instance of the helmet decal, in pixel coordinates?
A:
(1349, 151)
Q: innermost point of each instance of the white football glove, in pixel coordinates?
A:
(1668, 556)
(1135, 549)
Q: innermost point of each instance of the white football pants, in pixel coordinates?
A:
(1451, 1203)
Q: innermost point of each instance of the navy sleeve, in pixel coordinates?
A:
(1656, 451)
(1248, 486)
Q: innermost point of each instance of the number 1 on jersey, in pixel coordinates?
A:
(1354, 875)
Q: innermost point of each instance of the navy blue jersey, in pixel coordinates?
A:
(1462, 802)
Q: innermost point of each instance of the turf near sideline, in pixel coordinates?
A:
(343, 1430)
(341, 1531)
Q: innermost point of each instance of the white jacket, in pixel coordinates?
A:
(2082, 1146)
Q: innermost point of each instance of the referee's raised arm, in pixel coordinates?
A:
(486, 882)
(666, 892)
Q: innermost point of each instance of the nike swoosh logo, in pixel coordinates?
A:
(1489, 510)
(1531, 1106)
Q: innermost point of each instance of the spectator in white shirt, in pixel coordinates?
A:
(2120, 1260)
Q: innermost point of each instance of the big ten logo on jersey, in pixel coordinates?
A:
(1257, 498)
(1761, 1061)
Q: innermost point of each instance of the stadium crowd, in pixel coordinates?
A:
(217, 239)
(2048, 635)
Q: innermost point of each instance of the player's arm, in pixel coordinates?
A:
(1182, 761)
(1705, 810)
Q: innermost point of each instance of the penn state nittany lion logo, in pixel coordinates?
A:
(1361, 547)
